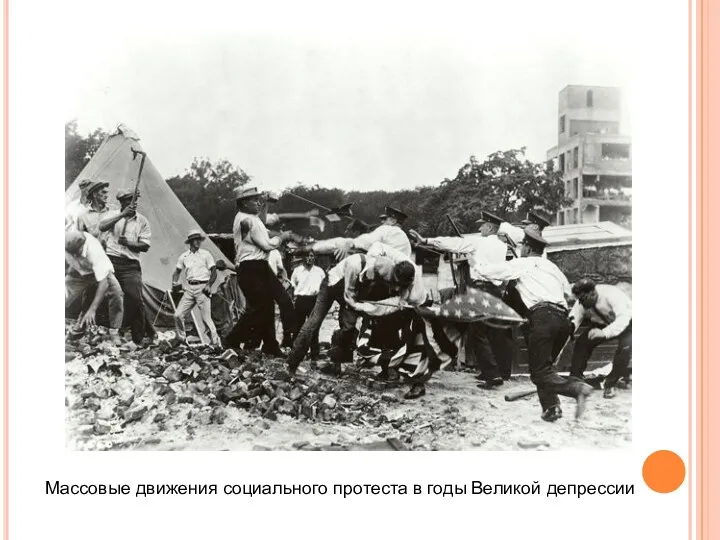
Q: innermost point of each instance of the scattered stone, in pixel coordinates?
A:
(135, 413)
(102, 427)
(172, 373)
(219, 415)
(329, 402)
(317, 430)
(300, 444)
(160, 417)
(296, 393)
(86, 429)
(389, 397)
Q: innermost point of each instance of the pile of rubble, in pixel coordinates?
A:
(109, 387)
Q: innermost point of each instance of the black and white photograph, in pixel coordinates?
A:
(289, 239)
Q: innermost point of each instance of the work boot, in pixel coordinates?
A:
(273, 351)
(416, 391)
(584, 394)
(609, 392)
(495, 381)
(332, 369)
(552, 414)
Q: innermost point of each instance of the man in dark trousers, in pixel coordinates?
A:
(128, 235)
(493, 347)
(306, 280)
(347, 283)
(544, 289)
(607, 312)
(255, 278)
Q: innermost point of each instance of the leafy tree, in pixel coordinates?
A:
(506, 184)
(79, 150)
(207, 191)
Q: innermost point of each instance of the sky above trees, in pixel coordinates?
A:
(356, 100)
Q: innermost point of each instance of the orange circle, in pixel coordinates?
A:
(663, 471)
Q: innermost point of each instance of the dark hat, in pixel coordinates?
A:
(533, 218)
(395, 213)
(93, 186)
(583, 286)
(357, 225)
(534, 238)
(404, 273)
(487, 217)
(195, 234)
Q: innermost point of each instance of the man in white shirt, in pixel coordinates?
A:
(256, 280)
(544, 289)
(97, 210)
(200, 273)
(88, 267)
(347, 284)
(389, 233)
(607, 311)
(77, 207)
(128, 235)
(493, 347)
(306, 280)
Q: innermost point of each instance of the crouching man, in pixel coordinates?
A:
(607, 311)
(89, 266)
(200, 274)
(347, 284)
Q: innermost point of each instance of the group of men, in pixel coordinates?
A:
(102, 255)
(374, 278)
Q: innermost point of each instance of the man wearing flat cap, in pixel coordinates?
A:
(97, 210)
(607, 313)
(493, 347)
(89, 266)
(129, 236)
(200, 273)
(255, 278)
(532, 220)
(544, 290)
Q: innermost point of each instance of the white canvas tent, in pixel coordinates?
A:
(169, 222)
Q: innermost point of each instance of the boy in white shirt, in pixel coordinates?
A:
(306, 280)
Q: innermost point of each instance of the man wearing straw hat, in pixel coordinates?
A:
(200, 274)
(252, 246)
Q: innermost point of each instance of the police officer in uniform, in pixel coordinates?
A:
(544, 290)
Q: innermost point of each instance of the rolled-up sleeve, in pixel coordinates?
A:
(144, 234)
(622, 307)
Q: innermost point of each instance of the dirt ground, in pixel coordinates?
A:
(126, 400)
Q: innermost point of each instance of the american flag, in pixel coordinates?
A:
(437, 333)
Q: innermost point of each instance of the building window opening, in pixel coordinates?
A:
(561, 124)
(575, 157)
(562, 162)
(589, 98)
(615, 151)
